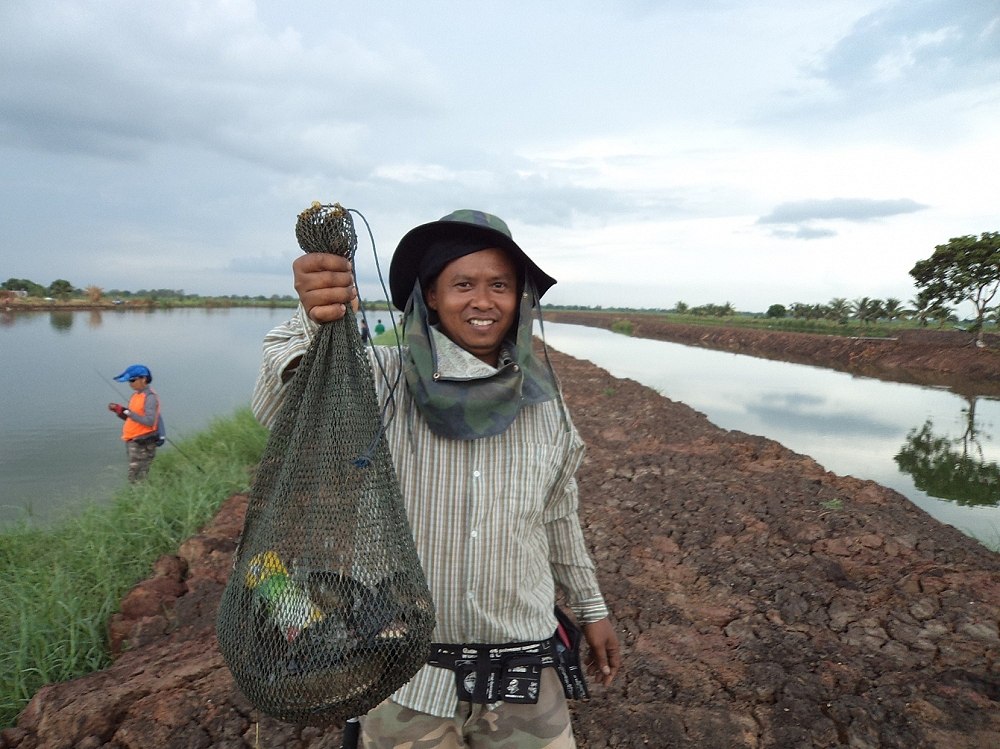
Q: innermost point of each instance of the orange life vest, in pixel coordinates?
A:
(133, 429)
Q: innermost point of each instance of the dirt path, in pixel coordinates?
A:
(762, 602)
(768, 603)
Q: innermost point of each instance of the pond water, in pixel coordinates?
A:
(60, 445)
(936, 448)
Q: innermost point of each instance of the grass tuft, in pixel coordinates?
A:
(625, 327)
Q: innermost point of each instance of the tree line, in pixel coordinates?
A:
(965, 269)
(865, 310)
(58, 289)
(63, 290)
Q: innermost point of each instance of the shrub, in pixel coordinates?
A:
(624, 327)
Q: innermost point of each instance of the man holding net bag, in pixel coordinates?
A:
(486, 456)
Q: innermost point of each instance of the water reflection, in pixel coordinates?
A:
(60, 320)
(804, 411)
(954, 468)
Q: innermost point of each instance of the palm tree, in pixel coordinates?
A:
(892, 308)
(920, 311)
(877, 310)
(838, 309)
(860, 307)
(799, 310)
(867, 310)
(940, 313)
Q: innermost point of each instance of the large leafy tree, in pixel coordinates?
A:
(23, 284)
(967, 269)
(61, 288)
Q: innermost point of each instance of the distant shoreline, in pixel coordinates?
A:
(922, 356)
(134, 305)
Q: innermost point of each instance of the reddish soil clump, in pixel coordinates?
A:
(761, 601)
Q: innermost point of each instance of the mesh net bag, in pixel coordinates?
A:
(327, 611)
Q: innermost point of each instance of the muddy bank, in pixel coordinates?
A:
(761, 601)
(939, 358)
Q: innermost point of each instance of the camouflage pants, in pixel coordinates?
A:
(545, 725)
(140, 455)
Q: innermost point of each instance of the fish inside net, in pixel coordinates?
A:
(327, 610)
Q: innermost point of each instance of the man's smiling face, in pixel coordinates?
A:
(475, 298)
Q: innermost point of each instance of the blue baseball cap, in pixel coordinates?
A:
(136, 370)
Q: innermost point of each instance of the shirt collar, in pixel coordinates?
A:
(455, 363)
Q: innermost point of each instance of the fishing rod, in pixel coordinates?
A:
(190, 459)
(165, 437)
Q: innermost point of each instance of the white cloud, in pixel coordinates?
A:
(705, 151)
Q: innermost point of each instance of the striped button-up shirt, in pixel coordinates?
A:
(494, 519)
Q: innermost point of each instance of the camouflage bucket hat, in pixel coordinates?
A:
(474, 226)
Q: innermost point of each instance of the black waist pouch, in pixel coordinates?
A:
(508, 672)
(511, 672)
(567, 656)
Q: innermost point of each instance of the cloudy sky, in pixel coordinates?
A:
(643, 152)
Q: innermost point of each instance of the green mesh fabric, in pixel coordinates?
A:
(327, 611)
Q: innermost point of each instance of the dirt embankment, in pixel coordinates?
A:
(946, 358)
(761, 601)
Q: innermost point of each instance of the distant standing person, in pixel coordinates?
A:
(379, 328)
(141, 431)
(365, 334)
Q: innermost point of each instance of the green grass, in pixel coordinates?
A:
(388, 338)
(60, 584)
(799, 325)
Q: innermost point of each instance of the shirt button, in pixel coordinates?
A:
(476, 474)
(474, 534)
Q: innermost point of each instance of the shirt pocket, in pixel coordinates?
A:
(525, 484)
